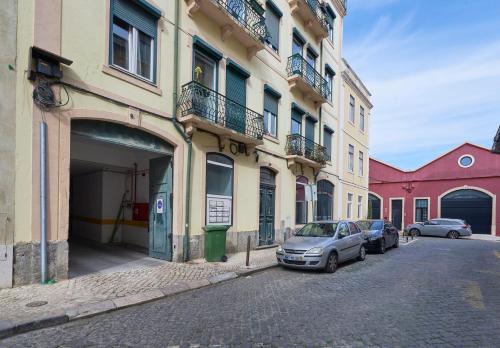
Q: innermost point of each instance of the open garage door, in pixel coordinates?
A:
(473, 206)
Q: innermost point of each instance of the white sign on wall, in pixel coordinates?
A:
(219, 210)
(311, 193)
(159, 206)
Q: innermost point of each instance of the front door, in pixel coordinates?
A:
(236, 94)
(397, 213)
(160, 208)
(266, 214)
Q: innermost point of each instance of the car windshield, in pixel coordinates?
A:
(367, 225)
(318, 230)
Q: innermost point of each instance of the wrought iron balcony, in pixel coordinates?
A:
(303, 76)
(201, 107)
(242, 19)
(302, 150)
(313, 16)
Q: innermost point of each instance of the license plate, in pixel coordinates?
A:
(293, 258)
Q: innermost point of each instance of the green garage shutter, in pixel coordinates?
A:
(136, 15)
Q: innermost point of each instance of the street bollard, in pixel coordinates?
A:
(248, 251)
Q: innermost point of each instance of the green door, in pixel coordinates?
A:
(266, 207)
(160, 208)
(236, 93)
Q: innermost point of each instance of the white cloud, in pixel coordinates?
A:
(430, 90)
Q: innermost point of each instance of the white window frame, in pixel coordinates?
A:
(361, 158)
(362, 118)
(350, 158)
(352, 107)
(466, 155)
(133, 38)
(221, 198)
(349, 205)
(428, 199)
(360, 207)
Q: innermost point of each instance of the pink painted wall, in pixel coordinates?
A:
(437, 177)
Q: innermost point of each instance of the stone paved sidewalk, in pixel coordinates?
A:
(94, 293)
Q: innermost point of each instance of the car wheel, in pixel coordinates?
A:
(381, 248)
(453, 235)
(331, 263)
(414, 232)
(362, 253)
(396, 243)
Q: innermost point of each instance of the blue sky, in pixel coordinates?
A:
(433, 67)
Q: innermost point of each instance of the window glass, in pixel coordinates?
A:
(360, 207)
(466, 161)
(145, 56)
(327, 141)
(204, 70)
(325, 200)
(349, 205)
(343, 230)
(219, 180)
(311, 58)
(361, 118)
(296, 127)
(351, 158)
(360, 164)
(317, 230)
(421, 210)
(270, 114)
(329, 81)
(121, 43)
(296, 46)
(352, 228)
(300, 200)
(219, 189)
(351, 108)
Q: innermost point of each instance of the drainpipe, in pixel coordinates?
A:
(43, 220)
(315, 208)
(185, 136)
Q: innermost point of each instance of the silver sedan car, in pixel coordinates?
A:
(322, 245)
(451, 228)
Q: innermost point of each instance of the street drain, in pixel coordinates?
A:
(36, 304)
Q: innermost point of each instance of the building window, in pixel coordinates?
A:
(205, 70)
(327, 141)
(351, 109)
(466, 161)
(297, 45)
(300, 200)
(349, 205)
(296, 125)
(133, 43)
(219, 199)
(421, 210)
(360, 207)
(270, 113)
(273, 15)
(362, 118)
(325, 200)
(350, 159)
(329, 80)
(360, 164)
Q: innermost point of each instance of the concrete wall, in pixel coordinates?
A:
(8, 30)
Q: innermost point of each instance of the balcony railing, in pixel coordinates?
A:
(297, 145)
(248, 14)
(205, 103)
(297, 65)
(315, 7)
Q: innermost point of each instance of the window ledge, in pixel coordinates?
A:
(271, 138)
(351, 122)
(273, 53)
(127, 77)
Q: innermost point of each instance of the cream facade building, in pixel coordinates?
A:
(157, 118)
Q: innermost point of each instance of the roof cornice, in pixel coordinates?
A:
(358, 91)
(340, 6)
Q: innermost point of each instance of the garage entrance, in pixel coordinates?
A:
(473, 206)
(120, 196)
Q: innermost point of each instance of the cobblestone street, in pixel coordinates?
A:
(432, 291)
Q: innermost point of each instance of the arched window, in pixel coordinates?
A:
(300, 200)
(325, 200)
(219, 199)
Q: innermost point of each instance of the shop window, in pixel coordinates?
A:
(325, 200)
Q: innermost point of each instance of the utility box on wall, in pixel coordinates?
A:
(140, 212)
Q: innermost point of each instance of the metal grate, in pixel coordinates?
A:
(298, 145)
(315, 8)
(248, 14)
(293, 262)
(297, 65)
(201, 101)
(293, 251)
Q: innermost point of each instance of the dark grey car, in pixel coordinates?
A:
(379, 234)
(322, 245)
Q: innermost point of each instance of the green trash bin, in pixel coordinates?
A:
(215, 242)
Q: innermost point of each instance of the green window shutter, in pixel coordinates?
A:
(271, 103)
(273, 27)
(136, 15)
(327, 141)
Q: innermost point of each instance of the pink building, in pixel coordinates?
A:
(462, 183)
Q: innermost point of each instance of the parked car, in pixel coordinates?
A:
(322, 245)
(379, 235)
(451, 228)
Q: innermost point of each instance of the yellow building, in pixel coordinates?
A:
(157, 118)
